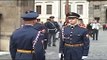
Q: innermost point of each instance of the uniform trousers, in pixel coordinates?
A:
(73, 53)
(51, 38)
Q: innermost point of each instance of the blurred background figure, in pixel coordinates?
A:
(60, 23)
(65, 23)
(52, 28)
(104, 27)
(89, 27)
(41, 27)
(95, 27)
(81, 23)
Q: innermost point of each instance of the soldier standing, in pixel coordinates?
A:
(26, 42)
(41, 27)
(74, 43)
(52, 28)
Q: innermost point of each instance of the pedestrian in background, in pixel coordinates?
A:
(81, 23)
(89, 27)
(52, 27)
(95, 27)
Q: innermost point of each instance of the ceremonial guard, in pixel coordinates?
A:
(74, 43)
(26, 42)
(41, 27)
(52, 27)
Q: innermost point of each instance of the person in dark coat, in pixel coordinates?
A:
(74, 43)
(52, 28)
(26, 42)
(89, 27)
(41, 27)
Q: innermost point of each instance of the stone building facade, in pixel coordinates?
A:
(56, 8)
(98, 10)
(10, 13)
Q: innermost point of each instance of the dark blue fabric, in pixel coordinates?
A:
(74, 35)
(30, 15)
(23, 39)
(39, 26)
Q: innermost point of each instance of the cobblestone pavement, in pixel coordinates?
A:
(98, 49)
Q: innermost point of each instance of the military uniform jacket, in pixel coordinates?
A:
(39, 26)
(51, 26)
(23, 39)
(74, 35)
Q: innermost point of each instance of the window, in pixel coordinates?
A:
(96, 7)
(80, 9)
(49, 9)
(38, 9)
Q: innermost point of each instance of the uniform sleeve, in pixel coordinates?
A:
(86, 43)
(38, 42)
(46, 25)
(57, 26)
(61, 43)
(12, 48)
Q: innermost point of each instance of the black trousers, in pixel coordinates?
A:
(51, 38)
(73, 53)
(95, 34)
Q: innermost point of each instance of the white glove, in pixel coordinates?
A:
(84, 57)
(59, 55)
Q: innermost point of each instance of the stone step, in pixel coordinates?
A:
(4, 53)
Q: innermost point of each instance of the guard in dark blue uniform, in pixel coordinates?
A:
(52, 27)
(26, 42)
(74, 44)
(41, 27)
(38, 25)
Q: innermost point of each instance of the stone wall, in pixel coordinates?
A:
(101, 12)
(11, 11)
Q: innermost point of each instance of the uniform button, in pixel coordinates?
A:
(70, 35)
(71, 32)
(70, 38)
